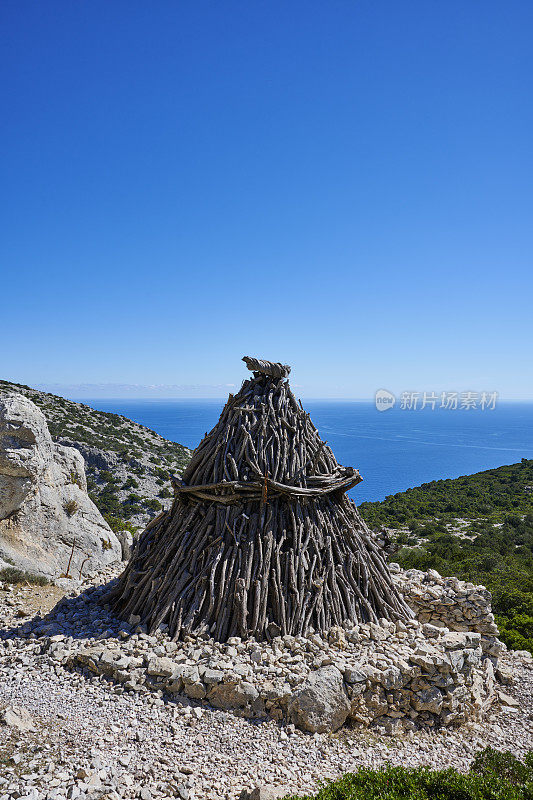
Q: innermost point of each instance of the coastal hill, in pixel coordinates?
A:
(491, 494)
(128, 466)
(477, 527)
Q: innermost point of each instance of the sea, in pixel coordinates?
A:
(393, 450)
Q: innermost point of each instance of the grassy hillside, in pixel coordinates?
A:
(492, 494)
(127, 464)
(477, 527)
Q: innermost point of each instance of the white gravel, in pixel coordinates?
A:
(91, 742)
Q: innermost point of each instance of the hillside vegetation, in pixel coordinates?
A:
(493, 494)
(478, 527)
(128, 466)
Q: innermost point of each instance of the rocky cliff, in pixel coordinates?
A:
(127, 465)
(48, 523)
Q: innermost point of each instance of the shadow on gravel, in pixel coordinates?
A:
(79, 616)
(82, 618)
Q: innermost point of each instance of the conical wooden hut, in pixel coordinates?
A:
(261, 538)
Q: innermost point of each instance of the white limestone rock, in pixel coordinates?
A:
(321, 703)
(45, 511)
(17, 717)
(266, 792)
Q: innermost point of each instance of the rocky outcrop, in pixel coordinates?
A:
(128, 466)
(47, 520)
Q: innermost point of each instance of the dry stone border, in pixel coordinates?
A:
(392, 677)
(449, 603)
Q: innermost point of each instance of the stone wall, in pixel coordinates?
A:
(449, 603)
(392, 677)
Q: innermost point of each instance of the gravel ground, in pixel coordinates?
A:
(91, 742)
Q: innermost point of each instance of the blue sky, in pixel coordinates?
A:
(343, 186)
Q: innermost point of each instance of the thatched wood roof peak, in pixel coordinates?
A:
(272, 368)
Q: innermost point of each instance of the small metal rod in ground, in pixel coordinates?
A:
(83, 564)
(67, 573)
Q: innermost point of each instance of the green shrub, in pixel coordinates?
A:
(131, 510)
(106, 476)
(75, 479)
(116, 524)
(130, 483)
(153, 504)
(493, 776)
(493, 763)
(165, 493)
(133, 498)
(107, 502)
(70, 507)
(13, 575)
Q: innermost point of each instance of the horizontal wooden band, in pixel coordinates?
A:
(228, 492)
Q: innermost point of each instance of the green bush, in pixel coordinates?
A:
(75, 479)
(107, 502)
(116, 524)
(493, 763)
(70, 507)
(493, 776)
(153, 504)
(133, 498)
(106, 476)
(131, 510)
(13, 575)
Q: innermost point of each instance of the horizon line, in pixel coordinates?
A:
(225, 397)
(68, 391)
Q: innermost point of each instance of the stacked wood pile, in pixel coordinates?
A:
(261, 538)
